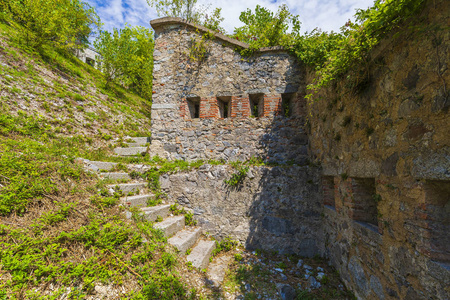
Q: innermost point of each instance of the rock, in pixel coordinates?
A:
(278, 269)
(299, 263)
(357, 272)
(377, 287)
(283, 277)
(313, 283)
(320, 275)
(286, 291)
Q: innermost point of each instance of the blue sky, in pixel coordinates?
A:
(325, 14)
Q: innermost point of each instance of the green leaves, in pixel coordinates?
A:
(66, 24)
(339, 52)
(126, 58)
(263, 28)
(189, 11)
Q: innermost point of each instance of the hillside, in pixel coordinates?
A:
(61, 234)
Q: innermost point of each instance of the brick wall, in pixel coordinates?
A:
(357, 196)
(328, 189)
(240, 106)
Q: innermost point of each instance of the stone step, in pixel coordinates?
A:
(127, 187)
(151, 213)
(130, 151)
(135, 144)
(185, 238)
(134, 201)
(138, 141)
(201, 253)
(115, 176)
(100, 165)
(171, 225)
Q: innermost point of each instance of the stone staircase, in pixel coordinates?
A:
(136, 194)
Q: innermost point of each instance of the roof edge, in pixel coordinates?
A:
(156, 23)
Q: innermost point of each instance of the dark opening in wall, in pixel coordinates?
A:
(194, 107)
(224, 106)
(364, 203)
(328, 191)
(256, 105)
(287, 104)
(90, 61)
(437, 205)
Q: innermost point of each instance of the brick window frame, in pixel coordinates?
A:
(193, 107)
(434, 219)
(364, 206)
(287, 108)
(256, 103)
(224, 104)
(328, 189)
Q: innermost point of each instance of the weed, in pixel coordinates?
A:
(225, 245)
(238, 177)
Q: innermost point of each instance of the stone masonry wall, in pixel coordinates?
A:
(275, 208)
(384, 147)
(203, 109)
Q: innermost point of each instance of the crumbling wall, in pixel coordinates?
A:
(382, 138)
(224, 106)
(274, 208)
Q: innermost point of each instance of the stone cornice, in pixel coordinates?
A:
(157, 23)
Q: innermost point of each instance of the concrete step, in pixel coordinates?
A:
(100, 165)
(151, 213)
(185, 238)
(136, 144)
(138, 141)
(130, 151)
(171, 225)
(201, 253)
(128, 187)
(115, 176)
(134, 201)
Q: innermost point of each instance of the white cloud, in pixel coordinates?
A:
(325, 14)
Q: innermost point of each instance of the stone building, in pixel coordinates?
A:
(360, 177)
(89, 56)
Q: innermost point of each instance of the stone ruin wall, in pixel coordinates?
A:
(190, 97)
(276, 208)
(378, 208)
(395, 245)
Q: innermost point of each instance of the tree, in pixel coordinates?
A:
(177, 8)
(190, 11)
(65, 24)
(126, 58)
(263, 28)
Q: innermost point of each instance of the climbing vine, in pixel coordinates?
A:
(200, 47)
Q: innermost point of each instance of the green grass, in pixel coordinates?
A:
(59, 226)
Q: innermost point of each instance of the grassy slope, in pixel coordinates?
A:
(60, 233)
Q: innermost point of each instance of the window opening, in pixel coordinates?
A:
(287, 101)
(224, 106)
(256, 105)
(328, 191)
(365, 206)
(194, 107)
(437, 224)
